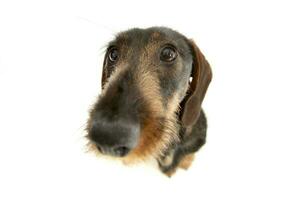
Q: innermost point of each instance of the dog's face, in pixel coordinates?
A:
(146, 75)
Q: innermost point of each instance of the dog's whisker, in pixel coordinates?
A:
(101, 26)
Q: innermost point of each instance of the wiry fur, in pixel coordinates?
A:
(159, 93)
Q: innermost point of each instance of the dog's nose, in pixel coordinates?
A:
(114, 137)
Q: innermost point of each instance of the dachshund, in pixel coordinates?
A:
(153, 84)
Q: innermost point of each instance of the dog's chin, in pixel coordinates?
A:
(134, 157)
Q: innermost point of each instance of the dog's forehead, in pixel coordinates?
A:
(156, 35)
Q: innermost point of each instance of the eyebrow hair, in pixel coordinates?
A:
(118, 40)
(111, 43)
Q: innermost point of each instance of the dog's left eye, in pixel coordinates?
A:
(168, 54)
(113, 55)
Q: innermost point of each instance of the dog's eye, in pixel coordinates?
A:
(168, 54)
(113, 55)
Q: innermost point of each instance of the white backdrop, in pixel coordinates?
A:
(50, 65)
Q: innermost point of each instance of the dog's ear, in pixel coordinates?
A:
(201, 76)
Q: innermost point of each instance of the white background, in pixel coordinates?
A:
(50, 66)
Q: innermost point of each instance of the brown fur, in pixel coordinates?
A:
(171, 127)
(155, 138)
(187, 161)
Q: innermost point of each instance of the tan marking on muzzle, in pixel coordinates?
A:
(155, 137)
(170, 132)
(151, 99)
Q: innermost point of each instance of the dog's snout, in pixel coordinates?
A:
(114, 137)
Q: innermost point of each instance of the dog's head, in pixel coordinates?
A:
(153, 81)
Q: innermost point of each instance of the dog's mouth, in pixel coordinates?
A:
(121, 151)
(99, 148)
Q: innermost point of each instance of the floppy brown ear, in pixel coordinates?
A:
(201, 77)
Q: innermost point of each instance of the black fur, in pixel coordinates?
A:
(116, 117)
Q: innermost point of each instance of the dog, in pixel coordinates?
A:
(153, 84)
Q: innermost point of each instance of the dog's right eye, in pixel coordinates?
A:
(168, 54)
(113, 55)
